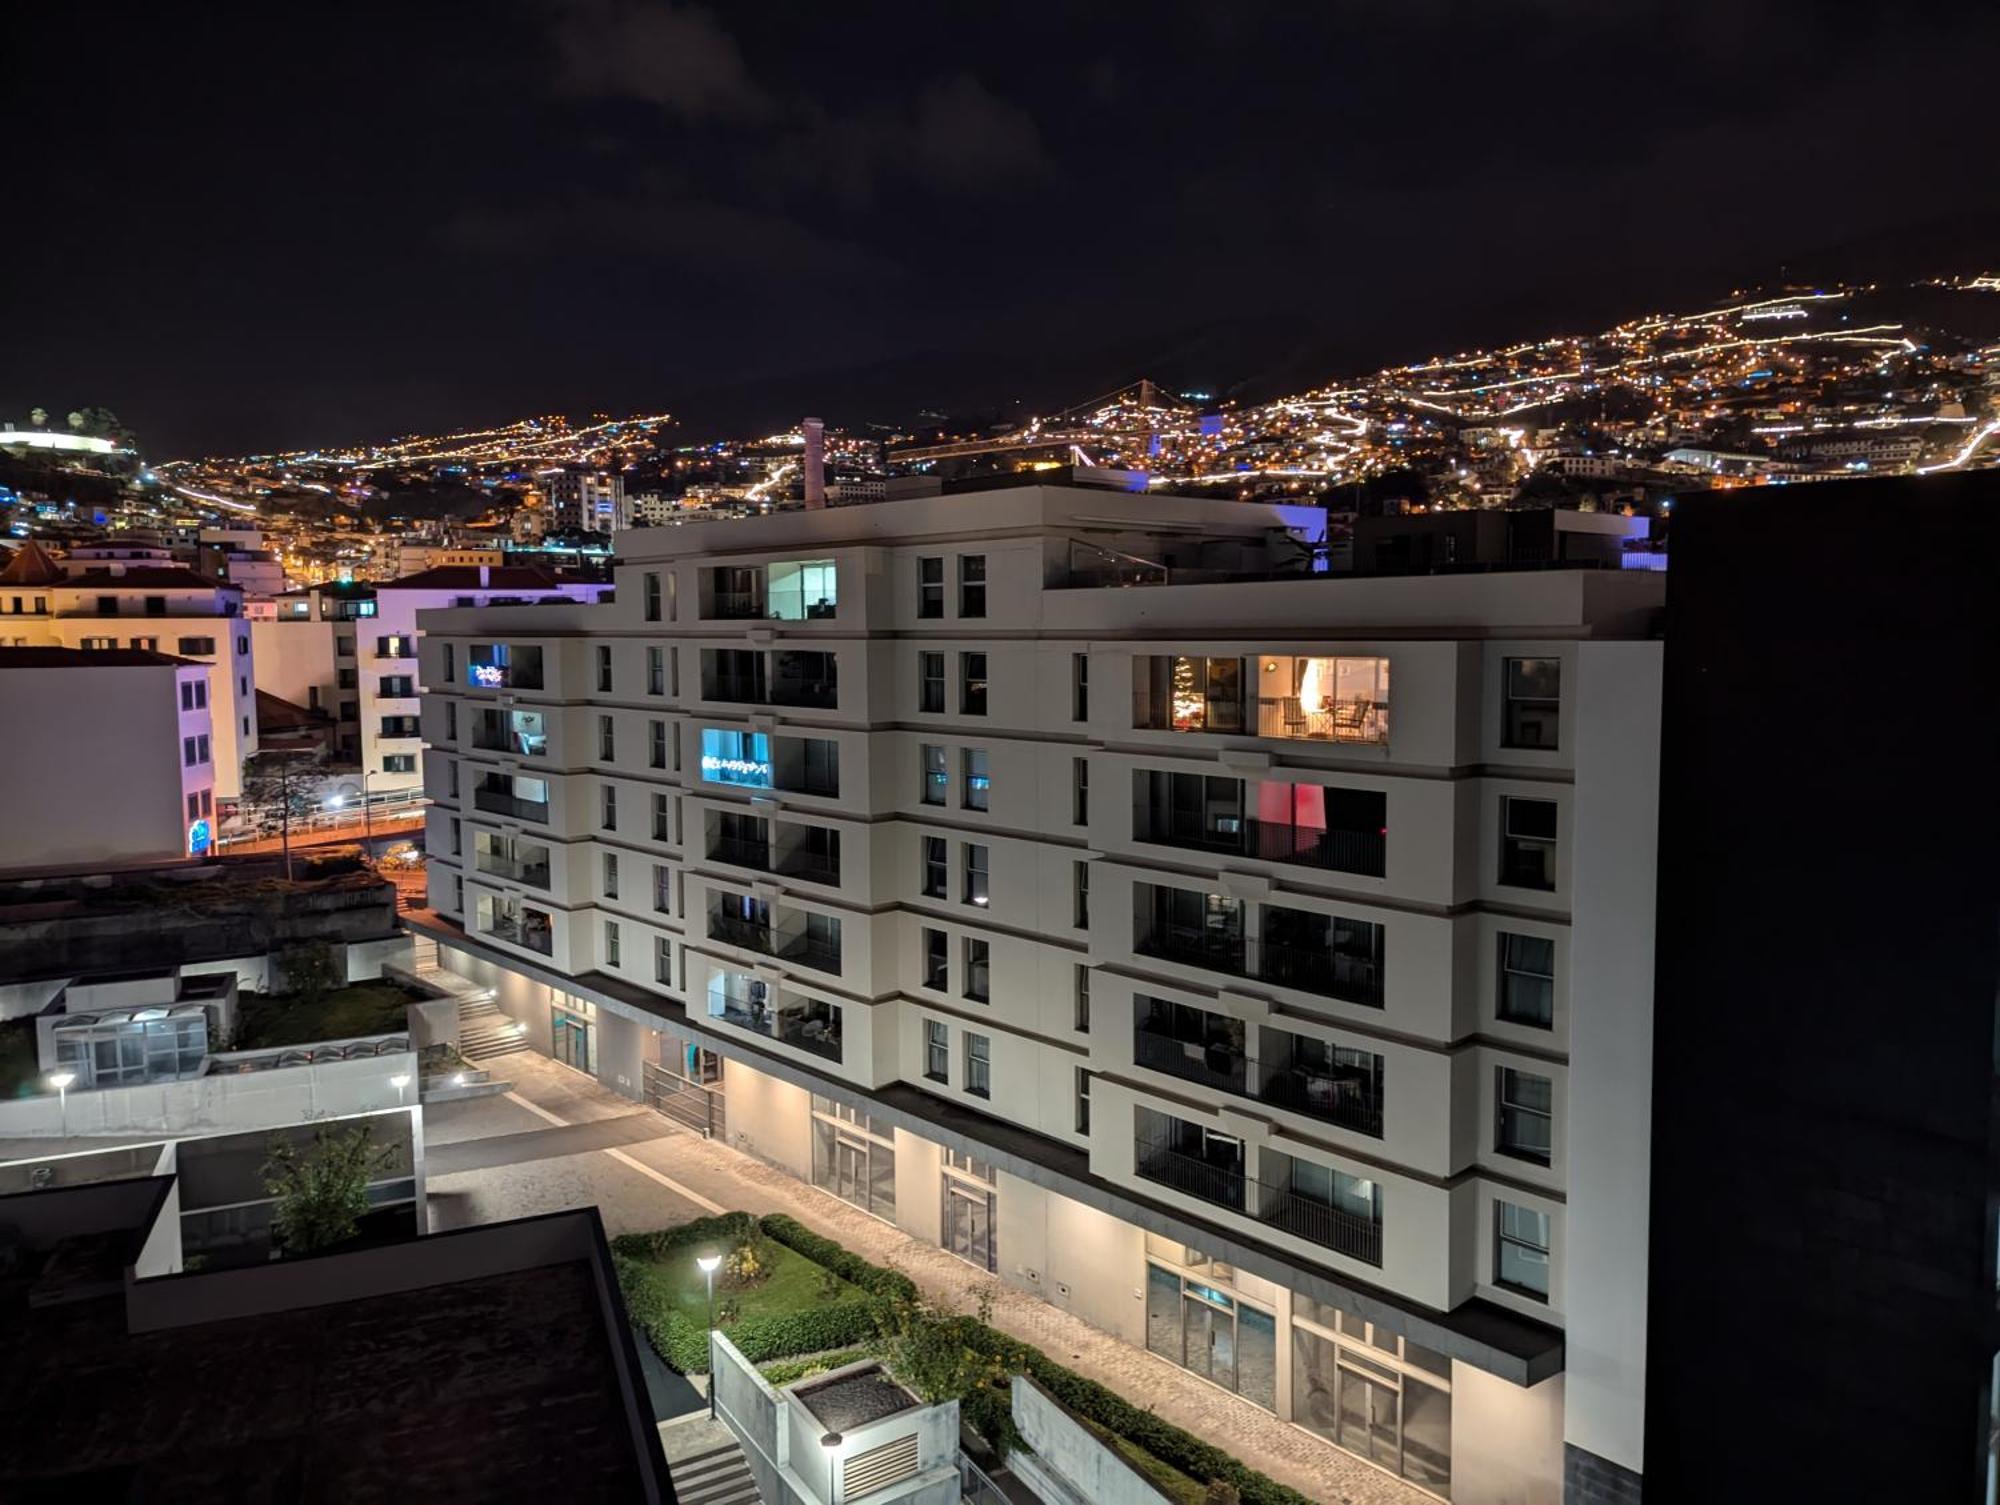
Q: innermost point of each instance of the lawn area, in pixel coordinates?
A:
(360, 1008)
(796, 1285)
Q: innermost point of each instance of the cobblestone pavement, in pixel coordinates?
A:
(675, 1175)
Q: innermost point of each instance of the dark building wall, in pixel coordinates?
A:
(1821, 1315)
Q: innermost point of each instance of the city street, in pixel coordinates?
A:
(557, 1140)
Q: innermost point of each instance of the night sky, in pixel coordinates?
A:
(253, 227)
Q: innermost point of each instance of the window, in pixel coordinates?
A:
(1079, 687)
(608, 811)
(937, 1050)
(194, 694)
(972, 684)
(198, 647)
(242, 646)
(1080, 878)
(937, 960)
(977, 782)
(396, 687)
(660, 825)
(663, 889)
(656, 671)
(930, 683)
(1083, 1100)
(450, 662)
(194, 806)
(652, 601)
(610, 875)
(976, 874)
(930, 586)
(1521, 1252)
(656, 744)
(663, 961)
(1533, 712)
(399, 763)
(1527, 980)
(1180, 694)
(610, 943)
(1528, 843)
(936, 878)
(604, 668)
(607, 739)
(978, 969)
(972, 585)
(978, 1065)
(740, 758)
(194, 750)
(1527, 1116)
(1083, 998)
(1079, 792)
(802, 590)
(451, 721)
(935, 777)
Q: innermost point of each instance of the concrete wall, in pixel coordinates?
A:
(1506, 1442)
(1089, 1469)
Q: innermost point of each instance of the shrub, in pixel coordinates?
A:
(724, 1230)
(747, 1265)
(989, 1411)
(782, 1372)
(682, 1341)
(876, 1280)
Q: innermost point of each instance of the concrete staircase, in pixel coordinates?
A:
(484, 1032)
(721, 1477)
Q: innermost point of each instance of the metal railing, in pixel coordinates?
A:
(533, 874)
(1347, 1099)
(975, 1488)
(1344, 1098)
(1285, 716)
(1191, 1061)
(1224, 1185)
(810, 694)
(815, 1035)
(1363, 852)
(1317, 1222)
(738, 605)
(530, 937)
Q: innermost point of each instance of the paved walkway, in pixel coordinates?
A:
(665, 1180)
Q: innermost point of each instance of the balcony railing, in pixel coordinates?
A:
(1227, 1186)
(494, 802)
(740, 689)
(1339, 721)
(740, 852)
(810, 694)
(532, 937)
(533, 874)
(1309, 969)
(1344, 1098)
(820, 1037)
(802, 947)
(1363, 852)
(738, 605)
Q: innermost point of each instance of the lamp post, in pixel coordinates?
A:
(367, 819)
(830, 1442)
(707, 1264)
(61, 1081)
(399, 1083)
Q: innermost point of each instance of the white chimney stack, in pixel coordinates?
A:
(815, 461)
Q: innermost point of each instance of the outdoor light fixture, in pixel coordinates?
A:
(61, 1081)
(399, 1083)
(831, 1442)
(708, 1264)
(458, 1079)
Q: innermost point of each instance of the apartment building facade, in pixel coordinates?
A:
(1253, 963)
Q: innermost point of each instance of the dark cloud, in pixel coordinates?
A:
(677, 57)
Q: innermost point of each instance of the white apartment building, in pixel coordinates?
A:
(1256, 964)
(351, 651)
(110, 756)
(101, 603)
(587, 501)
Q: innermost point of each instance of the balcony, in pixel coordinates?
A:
(495, 802)
(739, 605)
(810, 1026)
(1357, 720)
(1309, 969)
(815, 694)
(799, 946)
(1347, 1098)
(513, 869)
(799, 862)
(1361, 852)
(1227, 1185)
(530, 931)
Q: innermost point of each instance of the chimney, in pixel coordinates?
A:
(815, 462)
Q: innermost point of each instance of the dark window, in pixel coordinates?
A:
(603, 668)
(660, 827)
(978, 783)
(978, 963)
(972, 585)
(937, 960)
(1187, 694)
(1528, 843)
(1521, 1254)
(1533, 689)
(1082, 1000)
(978, 1065)
(1079, 813)
(930, 683)
(607, 739)
(936, 778)
(656, 744)
(937, 877)
(976, 874)
(656, 671)
(400, 763)
(937, 1050)
(1527, 1116)
(1527, 979)
(609, 813)
(1080, 879)
(1079, 686)
(198, 647)
(1082, 1100)
(972, 684)
(930, 586)
(652, 588)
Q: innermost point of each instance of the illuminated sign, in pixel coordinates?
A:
(742, 758)
(198, 838)
(492, 676)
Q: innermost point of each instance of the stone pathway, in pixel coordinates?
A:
(714, 1173)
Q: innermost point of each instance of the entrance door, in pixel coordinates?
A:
(1210, 1335)
(571, 1039)
(1368, 1418)
(850, 1171)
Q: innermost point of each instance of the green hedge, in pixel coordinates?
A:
(724, 1231)
(781, 1372)
(876, 1280)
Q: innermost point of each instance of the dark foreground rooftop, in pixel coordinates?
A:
(487, 1363)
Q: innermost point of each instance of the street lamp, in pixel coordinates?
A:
(399, 1083)
(707, 1264)
(831, 1443)
(367, 819)
(62, 1081)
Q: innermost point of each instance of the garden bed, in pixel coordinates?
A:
(347, 1013)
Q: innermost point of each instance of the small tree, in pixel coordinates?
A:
(926, 1349)
(310, 971)
(322, 1191)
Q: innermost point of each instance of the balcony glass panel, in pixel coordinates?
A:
(808, 1024)
(1301, 697)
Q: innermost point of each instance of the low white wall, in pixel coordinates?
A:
(1067, 1449)
(216, 1104)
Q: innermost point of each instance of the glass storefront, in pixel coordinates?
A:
(573, 1034)
(1373, 1393)
(1212, 1331)
(967, 1222)
(853, 1158)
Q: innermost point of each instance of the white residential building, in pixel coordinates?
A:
(109, 756)
(101, 603)
(1222, 953)
(587, 501)
(351, 651)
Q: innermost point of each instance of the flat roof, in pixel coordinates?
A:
(92, 658)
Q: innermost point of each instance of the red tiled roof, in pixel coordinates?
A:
(31, 565)
(277, 714)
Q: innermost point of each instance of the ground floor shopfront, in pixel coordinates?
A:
(1442, 1425)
